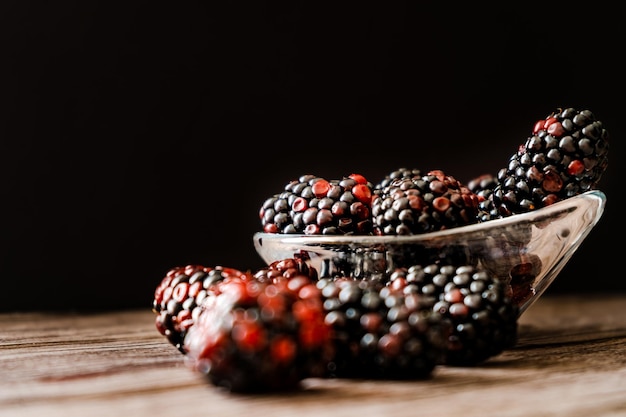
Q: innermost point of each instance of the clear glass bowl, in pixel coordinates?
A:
(526, 250)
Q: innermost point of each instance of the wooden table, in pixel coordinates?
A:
(570, 361)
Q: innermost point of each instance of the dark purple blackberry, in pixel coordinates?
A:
(275, 212)
(565, 155)
(504, 253)
(178, 295)
(411, 205)
(479, 307)
(483, 186)
(398, 174)
(315, 206)
(260, 336)
(380, 332)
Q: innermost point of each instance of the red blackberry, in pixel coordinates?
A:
(315, 206)
(256, 335)
(380, 332)
(287, 268)
(565, 155)
(411, 205)
(476, 304)
(505, 255)
(178, 295)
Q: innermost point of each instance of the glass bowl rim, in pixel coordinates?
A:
(562, 207)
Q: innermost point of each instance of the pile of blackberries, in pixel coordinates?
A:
(269, 330)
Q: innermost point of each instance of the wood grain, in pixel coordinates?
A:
(570, 361)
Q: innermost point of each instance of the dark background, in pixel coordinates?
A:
(138, 138)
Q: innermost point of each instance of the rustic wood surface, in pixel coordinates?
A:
(570, 361)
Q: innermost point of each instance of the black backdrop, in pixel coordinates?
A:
(138, 138)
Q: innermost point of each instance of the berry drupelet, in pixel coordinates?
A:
(315, 206)
(565, 155)
(412, 204)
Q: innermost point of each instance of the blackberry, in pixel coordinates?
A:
(522, 277)
(275, 212)
(257, 335)
(504, 254)
(178, 295)
(478, 306)
(287, 268)
(315, 206)
(565, 155)
(380, 332)
(398, 174)
(483, 186)
(411, 204)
